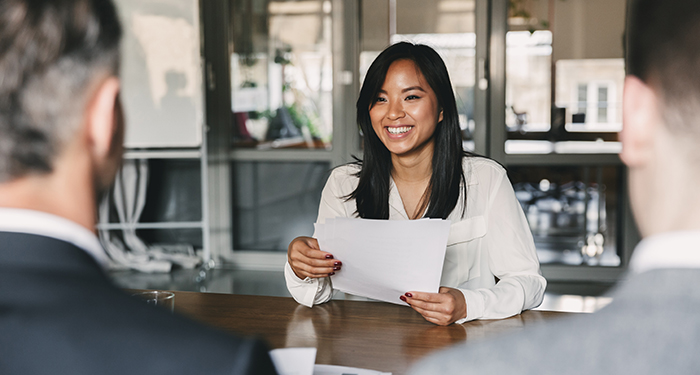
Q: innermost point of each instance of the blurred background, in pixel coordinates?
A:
(237, 111)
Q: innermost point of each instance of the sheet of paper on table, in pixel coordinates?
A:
(342, 370)
(383, 259)
(300, 361)
(294, 361)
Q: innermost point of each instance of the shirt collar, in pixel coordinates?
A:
(396, 203)
(44, 224)
(667, 250)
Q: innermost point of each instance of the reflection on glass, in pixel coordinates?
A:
(281, 74)
(274, 202)
(564, 76)
(571, 211)
(445, 25)
(528, 81)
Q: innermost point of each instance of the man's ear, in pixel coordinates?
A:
(101, 119)
(640, 119)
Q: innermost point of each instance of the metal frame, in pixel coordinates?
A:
(217, 186)
(483, 77)
(172, 154)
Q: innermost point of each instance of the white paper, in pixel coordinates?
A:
(294, 361)
(340, 370)
(383, 259)
(300, 361)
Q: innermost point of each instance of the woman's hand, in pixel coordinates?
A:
(442, 308)
(307, 260)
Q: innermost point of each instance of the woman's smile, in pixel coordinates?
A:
(398, 131)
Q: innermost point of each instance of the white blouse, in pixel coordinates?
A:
(490, 240)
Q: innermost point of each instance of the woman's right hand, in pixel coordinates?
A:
(307, 260)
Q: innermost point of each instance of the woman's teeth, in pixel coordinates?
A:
(399, 130)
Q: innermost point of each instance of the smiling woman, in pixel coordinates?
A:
(414, 166)
(404, 117)
(405, 113)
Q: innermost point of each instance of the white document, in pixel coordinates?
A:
(300, 361)
(383, 259)
(341, 370)
(294, 361)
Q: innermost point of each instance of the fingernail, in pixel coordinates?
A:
(336, 268)
(331, 274)
(409, 295)
(329, 256)
(338, 263)
(403, 298)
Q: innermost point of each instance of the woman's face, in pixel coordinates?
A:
(406, 112)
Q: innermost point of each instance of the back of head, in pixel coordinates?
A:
(50, 53)
(663, 39)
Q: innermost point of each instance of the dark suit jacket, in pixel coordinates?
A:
(651, 327)
(60, 314)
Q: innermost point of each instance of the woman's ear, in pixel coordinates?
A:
(440, 116)
(640, 119)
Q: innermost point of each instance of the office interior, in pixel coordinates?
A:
(237, 110)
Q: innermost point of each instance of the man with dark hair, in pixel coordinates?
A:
(652, 325)
(60, 144)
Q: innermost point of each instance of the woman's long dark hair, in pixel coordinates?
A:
(372, 193)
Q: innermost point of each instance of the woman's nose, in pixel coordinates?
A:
(395, 110)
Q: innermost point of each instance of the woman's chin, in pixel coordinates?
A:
(402, 149)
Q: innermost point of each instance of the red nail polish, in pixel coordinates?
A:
(336, 268)
(403, 298)
(329, 256)
(331, 274)
(409, 295)
(338, 263)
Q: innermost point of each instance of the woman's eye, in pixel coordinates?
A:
(379, 100)
(412, 97)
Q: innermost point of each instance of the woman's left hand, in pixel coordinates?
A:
(442, 308)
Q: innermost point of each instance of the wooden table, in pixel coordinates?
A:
(373, 335)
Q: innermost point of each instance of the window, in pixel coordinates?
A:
(582, 103)
(602, 104)
(282, 74)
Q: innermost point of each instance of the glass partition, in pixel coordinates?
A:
(564, 77)
(573, 212)
(281, 74)
(275, 202)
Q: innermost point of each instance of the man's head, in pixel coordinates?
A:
(58, 63)
(661, 110)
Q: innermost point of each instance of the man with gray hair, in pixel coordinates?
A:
(652, 324)
(61, 132)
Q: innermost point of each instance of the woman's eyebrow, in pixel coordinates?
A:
(413, 88)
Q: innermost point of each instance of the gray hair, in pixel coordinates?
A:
(51, 51)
